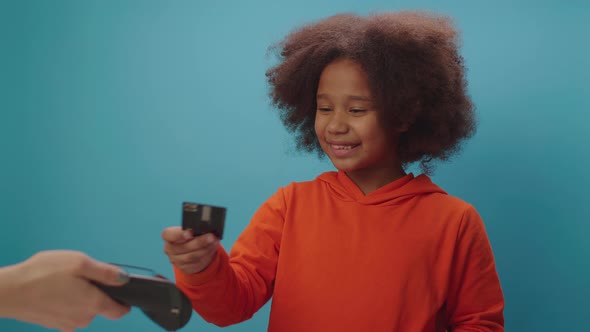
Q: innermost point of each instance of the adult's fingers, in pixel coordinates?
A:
(113, 310)
(103, 273)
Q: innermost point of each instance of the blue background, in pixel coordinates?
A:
(114, 112)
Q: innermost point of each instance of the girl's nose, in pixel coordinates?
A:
(337, 123)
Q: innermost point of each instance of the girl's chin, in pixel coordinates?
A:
(339, 165)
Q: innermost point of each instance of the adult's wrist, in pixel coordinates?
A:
(11, 290)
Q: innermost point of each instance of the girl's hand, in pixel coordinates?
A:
(190, 254)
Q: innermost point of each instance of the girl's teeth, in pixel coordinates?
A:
(343, 147)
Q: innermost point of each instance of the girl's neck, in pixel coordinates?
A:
(371, 179)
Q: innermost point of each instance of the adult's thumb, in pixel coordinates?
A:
(103, 273)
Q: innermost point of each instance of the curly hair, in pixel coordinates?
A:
(416, 77)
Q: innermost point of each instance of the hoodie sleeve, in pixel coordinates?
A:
(233, 287)
(475, 300)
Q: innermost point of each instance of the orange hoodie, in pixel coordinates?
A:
(406, 257)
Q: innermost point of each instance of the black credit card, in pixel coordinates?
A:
(203, 218)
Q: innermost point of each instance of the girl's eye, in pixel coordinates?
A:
(324, 109)
(357, 110)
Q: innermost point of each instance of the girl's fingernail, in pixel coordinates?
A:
(187, 235)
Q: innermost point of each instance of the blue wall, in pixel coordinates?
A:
(114, 112)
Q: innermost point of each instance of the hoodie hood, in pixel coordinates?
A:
(392, 193)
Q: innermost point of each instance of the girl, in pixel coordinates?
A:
(368, 247)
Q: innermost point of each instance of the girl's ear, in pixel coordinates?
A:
(405, 126)
(402, 128)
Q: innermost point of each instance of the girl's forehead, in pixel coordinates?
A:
(344, 77)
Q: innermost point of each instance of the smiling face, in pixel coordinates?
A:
(347, 122)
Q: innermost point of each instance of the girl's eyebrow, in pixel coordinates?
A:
(359, 98)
